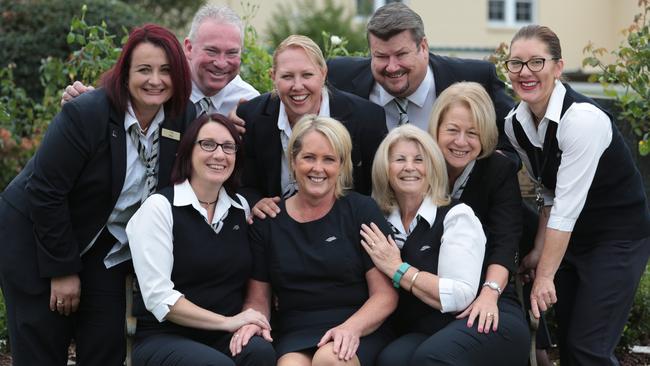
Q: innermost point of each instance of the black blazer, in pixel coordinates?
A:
(70, 186)
(492, 191)
(353, 74)
(365, 121)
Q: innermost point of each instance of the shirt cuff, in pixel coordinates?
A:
(161, 310)
(561, 223)
(447, 300)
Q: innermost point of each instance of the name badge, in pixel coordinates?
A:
(171, 134)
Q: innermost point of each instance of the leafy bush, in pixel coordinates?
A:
(311, 20)
(31, 31)
(631, 69)
(256, 61)
(23, 119)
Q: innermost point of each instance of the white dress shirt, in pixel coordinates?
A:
(227, 98)
(419, 107)
(285, 134)
(583, 134)
(151, 239)
(460, 259)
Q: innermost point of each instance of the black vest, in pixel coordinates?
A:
(412, 314)
(211, 270)
(616, 207)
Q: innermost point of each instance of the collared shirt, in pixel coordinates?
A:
(151, 239)
(583, 134)
(285, 134)
(420, 103)
(461, 181)
(132, 191)
(462, 247)
(227, 98)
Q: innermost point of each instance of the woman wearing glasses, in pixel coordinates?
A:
(593, 238)
(190, 251)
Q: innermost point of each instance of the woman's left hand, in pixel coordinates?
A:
(542, 296)
(382, 250)
(345, 341)
(240, 338)
(485, 308)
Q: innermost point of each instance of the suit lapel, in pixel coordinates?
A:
(270, 145)
(171, 131)
(363, 82)
(339, 108)
(117, 137)
(443, 77)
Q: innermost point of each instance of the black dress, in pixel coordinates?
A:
(317, 272)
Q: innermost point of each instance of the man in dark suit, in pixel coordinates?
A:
(402, 76)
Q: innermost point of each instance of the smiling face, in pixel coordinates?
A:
(150, 84)
(299, 83)
(212, 168)
(399, 65)
(458, 138)
(316, 167)
(535, 88)
(407, 169)
(214, 56)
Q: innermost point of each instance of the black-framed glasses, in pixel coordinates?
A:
(534, 64)
(210, 146)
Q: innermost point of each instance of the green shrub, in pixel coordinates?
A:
(307, 18)
(23, 119)
(31, 31)
(631, 70)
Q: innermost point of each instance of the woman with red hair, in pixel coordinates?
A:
(64, 256)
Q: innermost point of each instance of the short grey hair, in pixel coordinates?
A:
(219, 14)
(395, 18)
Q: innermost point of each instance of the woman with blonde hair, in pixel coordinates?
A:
(299, 74)
(435, 253)
(463, 123)
(331, 301)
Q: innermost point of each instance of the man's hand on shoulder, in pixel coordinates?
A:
(74, 90)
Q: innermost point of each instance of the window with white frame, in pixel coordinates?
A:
(511, 13)
(365, 8)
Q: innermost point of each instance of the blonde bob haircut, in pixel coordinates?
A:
(310, 47)
(435, 164)
(338, 137)
(474, 97)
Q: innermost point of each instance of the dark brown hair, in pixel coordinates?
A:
(183, 165)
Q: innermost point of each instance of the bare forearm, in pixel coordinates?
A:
(555, 245)
(380, 304)
(258, 297)
(186, 313)
(426, 287)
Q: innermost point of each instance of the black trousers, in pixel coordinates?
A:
(595, 290)
(457, 345)
(177, 350)
(39, 336)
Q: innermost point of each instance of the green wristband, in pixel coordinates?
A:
(400, 273)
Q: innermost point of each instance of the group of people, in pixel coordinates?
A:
(365, 212)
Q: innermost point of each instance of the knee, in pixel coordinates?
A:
(257, 352)
(325, 356)
(431, 356)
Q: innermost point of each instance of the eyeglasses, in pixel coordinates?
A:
(534, 64)
(210, 146)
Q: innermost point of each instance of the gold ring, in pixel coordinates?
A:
(236, 335)
(59, 302)
(490, 315)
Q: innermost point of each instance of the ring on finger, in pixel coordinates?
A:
(490, 315)
(59, 302)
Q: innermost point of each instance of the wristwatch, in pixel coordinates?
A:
(493, 285)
